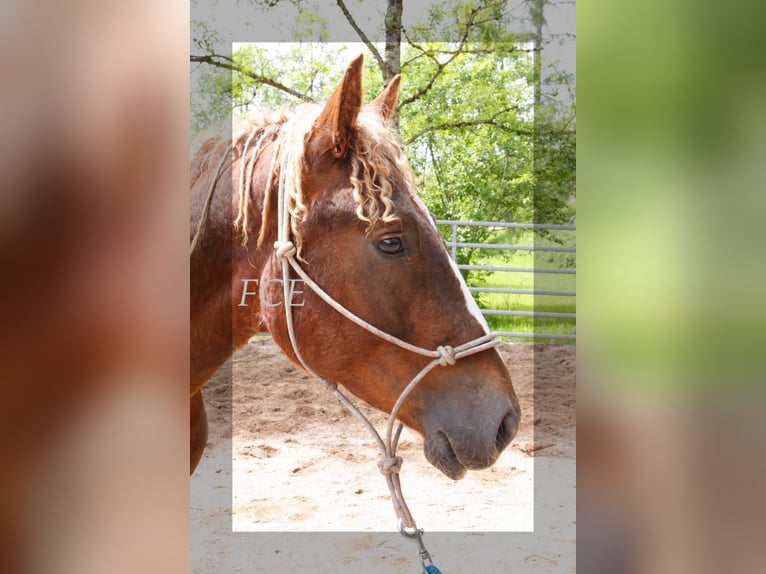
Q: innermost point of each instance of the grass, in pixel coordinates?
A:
(539, 281)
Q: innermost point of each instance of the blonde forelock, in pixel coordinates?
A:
(375, 156)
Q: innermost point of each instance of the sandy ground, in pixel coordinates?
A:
(297, 461)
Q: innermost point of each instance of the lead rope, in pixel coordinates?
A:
(389, 464)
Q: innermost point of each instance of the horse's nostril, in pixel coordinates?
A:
(508, 428)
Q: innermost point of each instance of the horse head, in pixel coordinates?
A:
(363, 235)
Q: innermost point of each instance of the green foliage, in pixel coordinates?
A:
(212, 105)
(309, 24)
(264, 73)
(484, 141)
(479, 20)
(482, 149)
(462, 134)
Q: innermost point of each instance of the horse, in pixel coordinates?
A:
(327, 187)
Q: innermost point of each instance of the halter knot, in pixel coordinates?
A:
(284, 249)
(446, 355)
(390, 465)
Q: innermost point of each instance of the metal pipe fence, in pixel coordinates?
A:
(454, 245)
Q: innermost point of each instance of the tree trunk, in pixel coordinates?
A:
(538, 20)
(392, 58)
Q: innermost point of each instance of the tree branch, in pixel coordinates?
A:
(440, 66)
(493, 49)
(227, 63)
(370, 46)
(485, 122)
(439, 69)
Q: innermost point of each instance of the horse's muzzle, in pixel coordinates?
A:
(509, 426)
(460, 444)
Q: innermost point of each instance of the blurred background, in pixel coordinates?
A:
(94, 286)
(670, 284)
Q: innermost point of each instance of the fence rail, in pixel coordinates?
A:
(516, 269)
(454, 245)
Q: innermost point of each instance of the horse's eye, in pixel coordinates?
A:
(391, 245)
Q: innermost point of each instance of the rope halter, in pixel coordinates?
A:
(286, 249)
(444, 356)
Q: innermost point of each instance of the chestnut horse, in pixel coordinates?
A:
(360, 231)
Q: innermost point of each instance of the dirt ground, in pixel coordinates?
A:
(297, 461)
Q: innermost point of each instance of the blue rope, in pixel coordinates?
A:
(431, 569)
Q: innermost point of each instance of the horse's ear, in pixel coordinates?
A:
(388, 99)
(339, 114)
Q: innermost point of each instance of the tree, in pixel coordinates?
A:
(471, 114)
